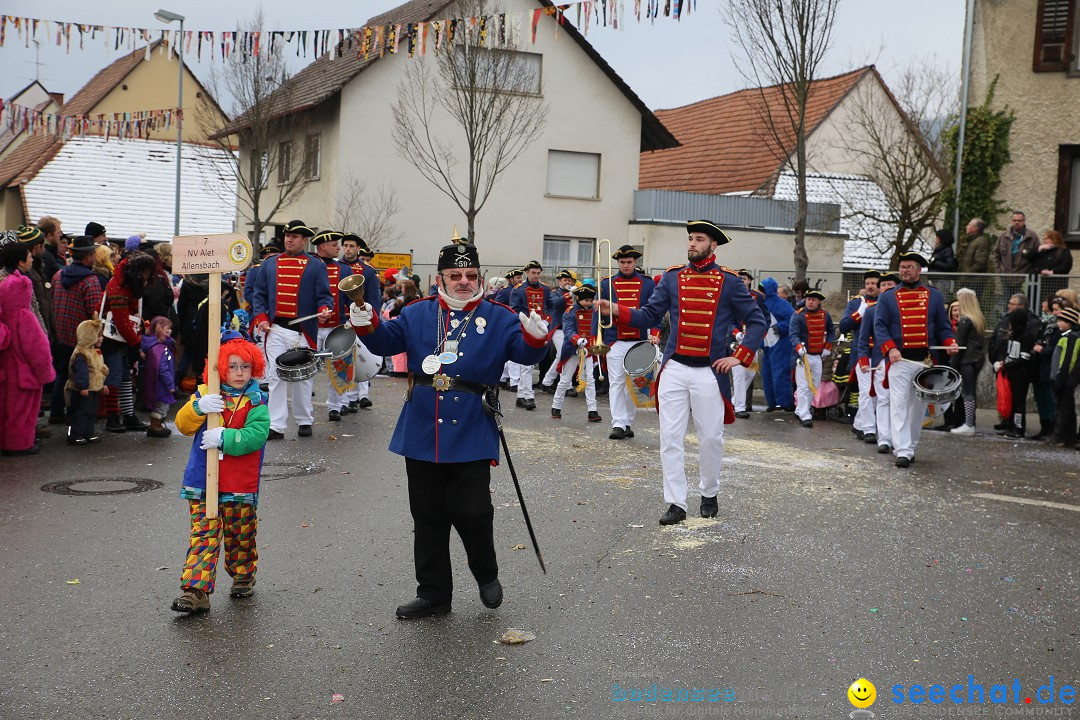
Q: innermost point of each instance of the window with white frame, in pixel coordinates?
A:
(313, 156)
(573, 174)
(576, 253)
(510, 70)
(284, 173)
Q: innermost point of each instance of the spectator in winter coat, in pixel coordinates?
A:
(944, 257)
(1051, 258)
(975, 255)
(26, 364)
(158, 375)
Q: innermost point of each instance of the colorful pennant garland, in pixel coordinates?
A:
(138, 124)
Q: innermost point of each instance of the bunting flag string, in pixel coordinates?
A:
(134, 124)
(496, 30)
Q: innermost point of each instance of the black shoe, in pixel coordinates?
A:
(94, 439)
(511, 388)
(114, 424)
(1015, 434)
(628, 432)
(789, 408)
(571, 393)
(594, 416)
(772, 408)
(364, 403)
(859, 434)
(275, 435)
(808, 423)
(303, 431)
(335, 416)
(556, 414)
(132, 422)
(521, 403)
(870, 438)
(352, 407)
(549, 389)
(674, 514)
(902, 462)
(709, 507)
(884, 448)
(491, 594)
(617, 433)
(32, 450)
(530, 404)
(421, 608)
(742, 414)
(1004, 425)
(76, 440)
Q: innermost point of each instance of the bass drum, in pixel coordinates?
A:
(937, 385)
(367, 364)
(339, 342)
(641, 362)
(297, 365)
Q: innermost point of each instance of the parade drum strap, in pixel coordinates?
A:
(641, 362)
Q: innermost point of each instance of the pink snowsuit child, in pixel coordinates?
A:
(27, 365)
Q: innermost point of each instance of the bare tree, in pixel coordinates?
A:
(276, 159)
(370, 215)
(493, 99)
(897, 141)
(783, 43)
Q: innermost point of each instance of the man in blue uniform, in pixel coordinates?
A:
(358, 256)
(742, 378)
(870, 363)
(854, 312)
(703, 301)
(531, 295)
(456, 344)
(511, 371)
(909, 318)
(561, 301)
(811, 334)
(578, 336)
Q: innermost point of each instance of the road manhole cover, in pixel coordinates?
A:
(102, 486)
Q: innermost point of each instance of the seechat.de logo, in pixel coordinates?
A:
(862, 695)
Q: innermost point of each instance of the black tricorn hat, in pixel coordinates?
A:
(710, 229)
(626, 251)
(82, 246)
(871, 273)
(326, 236)
(912, 256)
(297, 227)
(815, 293)
(512, 272)
(458, 256)
(269, 248)
(746, 273)
(533, 265)
(564, 275)
(890, 276)
(584, 292)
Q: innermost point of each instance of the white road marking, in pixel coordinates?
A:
(1026, 501)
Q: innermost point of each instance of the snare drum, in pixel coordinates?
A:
(641, 362)
(297, 365)
(938, 385)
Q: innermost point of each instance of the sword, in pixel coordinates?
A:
(517, 486)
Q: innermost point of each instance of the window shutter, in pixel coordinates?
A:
(1053, 35)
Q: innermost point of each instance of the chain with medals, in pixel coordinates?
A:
(446, 350)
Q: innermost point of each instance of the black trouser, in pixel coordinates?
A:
(61, 357)
(1019, 381)
(1065, 425)
(442, 495)
(83, 414)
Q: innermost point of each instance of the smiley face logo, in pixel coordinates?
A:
(862, 693)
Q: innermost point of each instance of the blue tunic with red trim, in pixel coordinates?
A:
(451, 427)
(633, 291)
(910, 318)
(310, 296)
(813, 330)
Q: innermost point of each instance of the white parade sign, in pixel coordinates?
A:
(224, 253)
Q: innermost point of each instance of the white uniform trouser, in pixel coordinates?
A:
(511, 372)
(552, 374)
(279, 340)
(333, 400)
(622, 406)
(882, 407)
(525, 382)
(804, 396)
(741, 377)
(864, 416)
(682, 389)
(566, 379)
(906, 410)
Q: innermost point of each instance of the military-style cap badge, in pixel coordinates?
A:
(458, 256)
(297, 227)
(626, 251)
(710, 229)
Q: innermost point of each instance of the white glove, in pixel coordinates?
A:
(997, 366)
(213, 438)
(862, 308)
(210, 404)
(534, 325)
(739, 337)
(360, 315)
(582, 342)
(826, 353)
(802, 351)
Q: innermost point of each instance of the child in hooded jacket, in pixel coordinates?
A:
(86, 378)
(241, 442)
(158, 375)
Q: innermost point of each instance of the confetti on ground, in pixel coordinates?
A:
(333, 437)
(519, 546)
(337, 697)
(74, 581)
(514, 636)
(635, 526)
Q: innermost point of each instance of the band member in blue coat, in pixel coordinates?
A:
(854, 312)
(578, 337)
(561, 301)
(291, 285)
(909, 318)
(531, 295)
(456, 344)
(811, 334)
(778, 356)
(632, 290)
(358, 256)
(703, 301)
(742, 378)
(512, 371)
(872, 365)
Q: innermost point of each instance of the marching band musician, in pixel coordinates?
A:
(909, 317)
(852, 321)
(531, 295)
(456, 344)
(358, 256)
(703, 301)
(873, 364)
(812, 334)
(631, 290)
(578, 335)
(561, 301)
(512, 372)
(327, 245)
(742, 377)
(289, 286)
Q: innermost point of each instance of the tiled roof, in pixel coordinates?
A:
(724, 145)
(326, 76)
(129, 187)
(868, 240)
(105, 81)
(25, 160)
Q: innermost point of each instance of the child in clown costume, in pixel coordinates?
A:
(241, 440)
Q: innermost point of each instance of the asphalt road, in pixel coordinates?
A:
(825, 564)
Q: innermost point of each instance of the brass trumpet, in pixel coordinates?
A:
(598, 347)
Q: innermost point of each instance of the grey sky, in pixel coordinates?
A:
(667, 63)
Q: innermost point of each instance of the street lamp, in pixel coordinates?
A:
(167, 17)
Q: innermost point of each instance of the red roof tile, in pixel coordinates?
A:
(725, 147)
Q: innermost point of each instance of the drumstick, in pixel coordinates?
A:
(946, 347)
(302, 319)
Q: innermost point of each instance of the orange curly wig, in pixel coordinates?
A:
(247, 351)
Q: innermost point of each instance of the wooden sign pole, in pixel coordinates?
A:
(213, 387)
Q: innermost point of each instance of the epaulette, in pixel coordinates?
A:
(800, 309)
(725, 268)
(676, 267)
